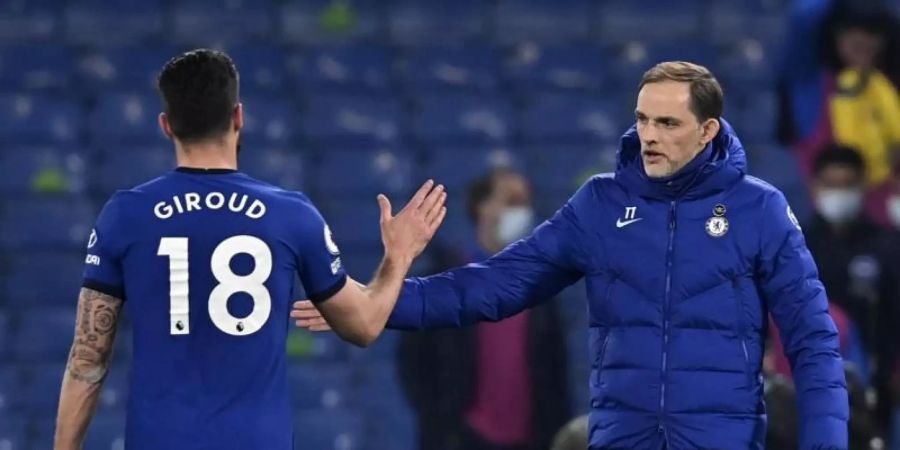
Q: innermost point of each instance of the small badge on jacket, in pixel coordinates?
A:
(717, 225)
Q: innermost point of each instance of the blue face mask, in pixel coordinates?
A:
(514, 223)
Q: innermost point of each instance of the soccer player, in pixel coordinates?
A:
(204, 259)
(684, 256)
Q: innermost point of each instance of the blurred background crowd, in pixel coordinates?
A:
(511, 104)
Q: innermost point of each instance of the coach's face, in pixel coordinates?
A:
(671, 134)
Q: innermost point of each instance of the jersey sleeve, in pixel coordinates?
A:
(105, 250)
(318, 257)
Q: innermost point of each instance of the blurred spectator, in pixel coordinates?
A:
(574, 436)
(857, 260)
(838, 82)
(883, 201)
(497, 385)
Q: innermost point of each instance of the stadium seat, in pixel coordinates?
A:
(344, 69)
(262, 67)
(382, 350)
(42, 170)
(13, 431)
(122, 69)
(107, 432)
(211, 22)
(315, 347)
(560, 167)
(392, 423)
(543, 21)
(44, 334)
(326, 21)
(5, 325)
(457, 166)
(558, 68)
(24, 21)
(433, 69)
(571, 119)
(382, 169)
(37, 119)
(354, 221)
(621, 21)
(329, 430)
(634, 58)
(113, 23)
(269, 119)
(126, 119)
(35, 67)
(9, 385)
(462, 119)
(283, 167)
(351, 120)
(26, 281)
(746, 66)
(753, 115)
(318, 386)
(735, 20)
(414, 23)
(48, 223)
(124, 167)
(114, 393)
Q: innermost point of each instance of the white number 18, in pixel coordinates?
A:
(230, 283)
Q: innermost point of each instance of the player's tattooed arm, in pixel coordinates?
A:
(95, 333)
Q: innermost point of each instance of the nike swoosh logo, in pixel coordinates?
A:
(620, 223)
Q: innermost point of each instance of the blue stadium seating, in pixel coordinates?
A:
(414, 23)
(354, 221)
(13, 432)
(113, 22)
(279, 166)
(319, 386)
(269, 119)
(36, 278)
(107, 432)
(124, 167)
(638, 56)
(329, 430)
(621, 21)
(35, 67)
(558, 68)
(346, 69)
(383, 350)
(391, 420)
(555, 167)
(37, 119)
(5, 324)
(463, 119)
(747, 67)
(317, 347)
(432, 69)
(571, 119)
(209, 23)
(262, 67)
(24, 21)
(752, 114)
(9, 385)
(457, 166)
(49, 223)
(42, 169)
(322, 21)
(126, 119)
(364, 172)
(123, 69)
(351, 120)
(44, 334)
(545, 21)
(734, 20)
(114, 393)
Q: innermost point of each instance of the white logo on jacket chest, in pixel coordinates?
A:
(630, 212)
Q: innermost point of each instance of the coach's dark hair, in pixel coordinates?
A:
(482, 188)
(707, 97)
(839, 155)
(199, 91)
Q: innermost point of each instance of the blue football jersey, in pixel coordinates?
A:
(205, 261)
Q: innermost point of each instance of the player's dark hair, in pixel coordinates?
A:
(839, 155)
(707, 98)
(482, 188)
(199, 91)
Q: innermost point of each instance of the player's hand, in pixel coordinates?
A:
(306, 315)
(405, 235)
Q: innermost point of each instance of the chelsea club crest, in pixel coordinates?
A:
(717, 225)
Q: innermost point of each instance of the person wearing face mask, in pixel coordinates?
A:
(857, 260)
(883, 202)
(497, 386)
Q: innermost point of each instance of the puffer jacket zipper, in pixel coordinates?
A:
(665, 343)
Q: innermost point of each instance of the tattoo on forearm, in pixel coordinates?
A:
(95, 332)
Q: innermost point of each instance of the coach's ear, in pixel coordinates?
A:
(164, 125)
(238, 117)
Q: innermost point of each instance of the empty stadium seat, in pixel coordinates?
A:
(351, 120)
(316, 347)
(382, 169)
(24, 21)
(13, 431)
(45, 223)
(124, 167)
(126, 119)
(321, 21)
(107, 432)
(317, 386)
(549, 68)
(44, 335)
(354, 221)
(283, 167)
(42, 170)
(565, 167)
(746, 66)
(636, 57)
(414, 23)
(621, 21)
(35, 67)
(9, 385)
(462, 119)
(36, 119)
(212, 22)
(27, 281)
(457, 166)
(433, 69)
(123, 69)
(269, 120)
(542, 20)
(113, 23)
(734, 20)
(262, 67)
(329, 430)
(572, 119)
(347, 69)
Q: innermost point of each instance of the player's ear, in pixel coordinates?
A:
(164, 125)
(238, 117)
(710, 129)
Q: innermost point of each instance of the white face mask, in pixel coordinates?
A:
(893, 210)
(514, 223)
(839, 205)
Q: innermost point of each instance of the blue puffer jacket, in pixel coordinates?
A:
(681, 274)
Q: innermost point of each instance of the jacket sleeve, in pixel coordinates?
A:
(798, 303)
(523, 274)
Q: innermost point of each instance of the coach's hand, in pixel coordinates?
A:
(306, 315)
(405, 235)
